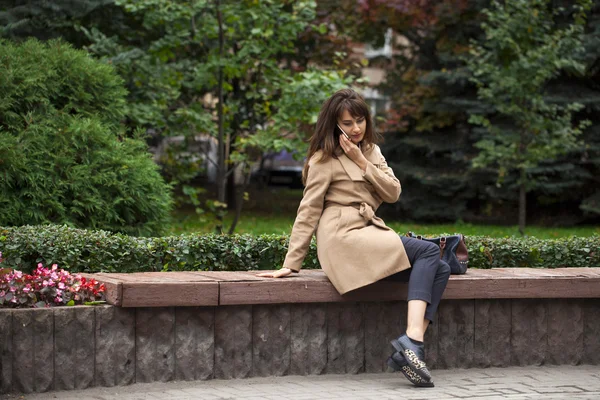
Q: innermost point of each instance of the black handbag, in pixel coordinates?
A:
(453, 250)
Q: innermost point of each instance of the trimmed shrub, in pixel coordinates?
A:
(63, 156)
(100, 251)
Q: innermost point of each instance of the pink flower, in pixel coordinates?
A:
(27, 288)
(58, 299)
(40, 265)
(13, 289)
(2, 293)
(61, 285)
(45, 283)
(54, 267)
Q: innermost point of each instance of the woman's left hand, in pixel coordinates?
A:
(353, 152)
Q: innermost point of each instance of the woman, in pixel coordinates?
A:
(347, 179)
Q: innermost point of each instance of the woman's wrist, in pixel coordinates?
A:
(363, 163)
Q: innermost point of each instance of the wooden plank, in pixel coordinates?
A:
(159, 277)
(294, 290)
(524, 288)
(232, 276)
(114, 288)
(169, 294)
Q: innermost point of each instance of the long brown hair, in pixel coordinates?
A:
(325, 137)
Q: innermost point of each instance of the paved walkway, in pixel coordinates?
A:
(515, 383)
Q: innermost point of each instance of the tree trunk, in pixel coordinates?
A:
(221, 177)
(239, 202)
(231, 192)
(522, 203)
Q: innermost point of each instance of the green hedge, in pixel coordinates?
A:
(101, 251)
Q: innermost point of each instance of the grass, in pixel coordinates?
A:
(257, 222)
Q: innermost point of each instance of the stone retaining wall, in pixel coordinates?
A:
(80, 347)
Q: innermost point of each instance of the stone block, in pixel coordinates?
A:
(431, 341)
(383, 321)
(115, 346)
(529, 334)
(233, 342)
(565, 332)
(591, 332)
(5, 350)
(456, 333)
(270, 340)
(33, 350)
(345, 338)
(74, 347)
(155, 344)
(308, 339)
(491, 347)
(194, 343)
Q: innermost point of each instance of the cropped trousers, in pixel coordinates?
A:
(428, 275)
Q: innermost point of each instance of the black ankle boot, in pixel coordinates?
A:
(414, 355)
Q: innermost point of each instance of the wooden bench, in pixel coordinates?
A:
(213, 288)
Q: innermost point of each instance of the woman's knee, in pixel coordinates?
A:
(444, 268)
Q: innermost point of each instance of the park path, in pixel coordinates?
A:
(514, 383)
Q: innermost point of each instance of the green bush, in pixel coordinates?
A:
(63, 156)
(101, 251)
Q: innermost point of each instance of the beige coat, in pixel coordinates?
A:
(355, 248)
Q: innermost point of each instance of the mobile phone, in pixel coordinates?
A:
(345, 134)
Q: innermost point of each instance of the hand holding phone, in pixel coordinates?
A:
(345, 134)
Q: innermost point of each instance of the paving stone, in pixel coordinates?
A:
(591, 332)
(5, 350)
(492, 333)
(431, 340)
(233, 342)
(115, 346)
(529, 335)
(271, 340)
(345, 338)
(308, 339)
(155, 344)
(194, 343)
(33, 356)
(74, 346)
(565, 331)
(456, 333)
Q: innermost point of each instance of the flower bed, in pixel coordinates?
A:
(80, 250)
(47, 287)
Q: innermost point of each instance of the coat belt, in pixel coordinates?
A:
(364, 209)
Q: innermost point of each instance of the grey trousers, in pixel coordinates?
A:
(428, 276)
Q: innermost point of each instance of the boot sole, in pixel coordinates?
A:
(409, 374)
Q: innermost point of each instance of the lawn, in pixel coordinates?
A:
(257, 222)
(271, 210)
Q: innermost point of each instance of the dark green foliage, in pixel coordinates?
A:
(63, 158)
(430, 144)
(45, 19)
(101, 251)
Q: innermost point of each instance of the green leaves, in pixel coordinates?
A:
(64, 157)
(522, 50)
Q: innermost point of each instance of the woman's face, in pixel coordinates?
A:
(354, 127)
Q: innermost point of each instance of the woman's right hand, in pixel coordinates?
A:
(276, 274)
